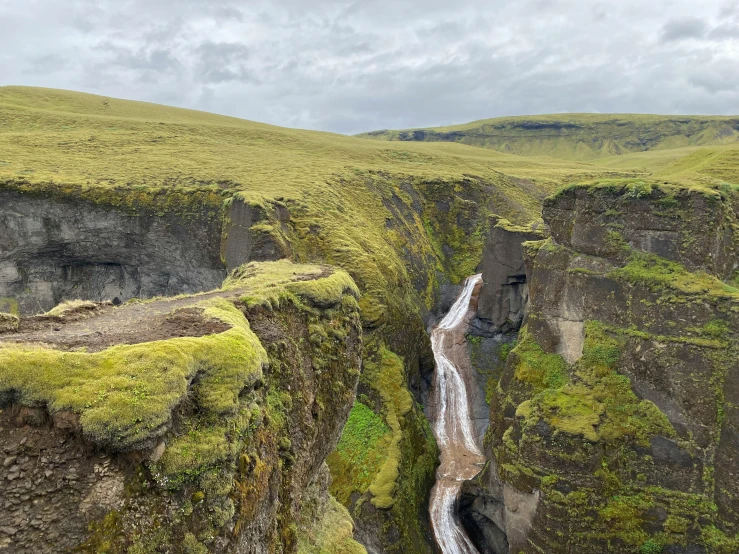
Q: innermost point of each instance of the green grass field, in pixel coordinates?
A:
(582, 137)
(69, 137)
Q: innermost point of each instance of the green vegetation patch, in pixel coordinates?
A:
(537, 367)
(360, 454)
(9, 306)
(125, 395)
(598, 403)
(270, 283)
(671, 279)
(71, 306)
(390, 381)
(332, 534)
(8, 322)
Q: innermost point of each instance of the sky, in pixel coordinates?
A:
(354, 66)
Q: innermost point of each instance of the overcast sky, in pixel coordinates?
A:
(352, 66)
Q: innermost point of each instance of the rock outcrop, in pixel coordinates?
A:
(194, 424)
(614, 425)
(118, 245)
(505, 293)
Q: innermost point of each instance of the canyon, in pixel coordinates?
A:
(271, 342)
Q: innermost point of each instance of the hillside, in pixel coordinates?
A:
(121, 203)
(578, 136)
(159, 201)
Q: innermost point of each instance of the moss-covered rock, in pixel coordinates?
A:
(219, 451)
(614, 409)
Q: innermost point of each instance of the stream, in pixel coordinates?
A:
(461, 455)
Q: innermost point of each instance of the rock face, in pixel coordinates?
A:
(613, 426)
(53, 250)
(504, 294)
(215, 458)
(62, 248)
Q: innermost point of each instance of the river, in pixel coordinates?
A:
(461, 455)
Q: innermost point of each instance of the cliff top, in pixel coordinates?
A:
(120, 371)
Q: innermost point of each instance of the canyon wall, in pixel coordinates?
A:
(123, 245)
(613, 426)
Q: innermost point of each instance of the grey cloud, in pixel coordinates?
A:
(221, 62)
(730, 8)
(157, 59)
(684, 28)
(351, 66)
(717, 78)
(228, 12)
(724, 31)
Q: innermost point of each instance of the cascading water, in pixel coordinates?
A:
(461, 456)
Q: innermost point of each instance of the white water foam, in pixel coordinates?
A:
(453, 429)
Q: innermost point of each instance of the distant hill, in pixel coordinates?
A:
(579, 136)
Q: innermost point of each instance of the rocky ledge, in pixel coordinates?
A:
(196, 424)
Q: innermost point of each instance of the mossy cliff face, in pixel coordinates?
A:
(413, 232)
(404, 220)
(401, 238)
(613, 427)
(204, 440)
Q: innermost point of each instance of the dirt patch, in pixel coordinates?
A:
(267, 330)
(183, 322)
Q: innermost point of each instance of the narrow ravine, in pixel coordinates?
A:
(461, 455)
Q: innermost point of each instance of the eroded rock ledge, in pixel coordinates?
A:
(199, 429)
(614, 425)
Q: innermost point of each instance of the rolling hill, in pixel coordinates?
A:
(578, 136)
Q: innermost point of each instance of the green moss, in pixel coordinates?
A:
(536, 367)
(270, 283)
(191, 545)
(599, 404)
(624, 515)
(663, 276)
(718, 541)
(571, 409)
(508, 226)
(9, 306)
(390, 382)
(125, 394)
(8, 322)
(650, 547)
(360, 454)
(332, 534)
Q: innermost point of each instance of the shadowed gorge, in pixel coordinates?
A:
(223, 336)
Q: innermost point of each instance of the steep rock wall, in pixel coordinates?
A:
(613, 427)
(57, 247)
(54, 249)
(505, 292)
